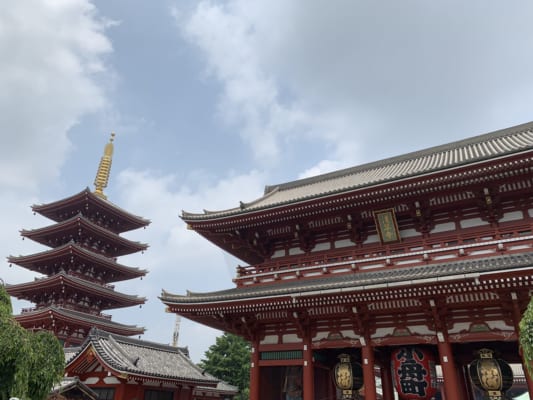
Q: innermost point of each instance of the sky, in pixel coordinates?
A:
(213, 100)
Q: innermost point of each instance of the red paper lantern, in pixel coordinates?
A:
(414, 374)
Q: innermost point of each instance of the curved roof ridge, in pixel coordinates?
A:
(471, 150)
(81, 249)
(439, 149)
(355, 279)
(90, 318)
(84, 220)
(87, 192)
(143, 358)
(105, 290)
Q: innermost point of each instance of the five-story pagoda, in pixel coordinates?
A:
(81, 264)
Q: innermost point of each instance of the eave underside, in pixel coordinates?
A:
(253, 236)
(72, 326)
(481, 297)
(66, 289)
(78, 261)
(80, 230)
(89, 204)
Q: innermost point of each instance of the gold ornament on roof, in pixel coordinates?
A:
(102, 175)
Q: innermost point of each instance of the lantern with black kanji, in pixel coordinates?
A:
(492, 375)
(414, 373)
(348, 376)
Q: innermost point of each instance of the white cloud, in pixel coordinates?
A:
(178, 259)
(365, 80)
(53, 52)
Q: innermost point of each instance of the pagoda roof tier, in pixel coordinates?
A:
(137, 359)
(76, 260)
(449, 156)
(362, 288)
(88, 203)
(81, 230)
(70, 286)
(48, 317)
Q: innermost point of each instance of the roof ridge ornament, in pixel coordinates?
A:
(104, 168)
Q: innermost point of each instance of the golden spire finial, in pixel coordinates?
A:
(102, 175)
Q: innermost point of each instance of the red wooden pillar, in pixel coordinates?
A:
(451, 385)
(190, 395)
(308, 371)
(177, 394)
(386, 382)
(139, 392)
(254, 372)
(369, 379)
(120, 390)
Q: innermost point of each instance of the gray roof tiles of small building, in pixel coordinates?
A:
(144, 358)
(455, 154)
(360, 280)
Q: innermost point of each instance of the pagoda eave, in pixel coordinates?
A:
(73, 205)
(69, 256)
(79, 228)
(49, 317)
(62, 283)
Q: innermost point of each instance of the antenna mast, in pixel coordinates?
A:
(176, 334)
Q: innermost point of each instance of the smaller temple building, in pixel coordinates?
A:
(119, 367)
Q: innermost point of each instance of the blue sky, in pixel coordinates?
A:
(213, 100)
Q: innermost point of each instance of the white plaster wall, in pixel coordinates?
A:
(512, 216)
(295, 250)
(469, 223)
(444, 227)
(322, 246)
(292, 338)
(270, 339)
(343, 243)
(409, 233)
(278, 253)
(372, 239)
(92, 380)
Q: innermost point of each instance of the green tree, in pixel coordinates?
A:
(229, 359)
(31, 363)
(526, 336)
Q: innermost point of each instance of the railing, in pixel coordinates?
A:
(469, 243)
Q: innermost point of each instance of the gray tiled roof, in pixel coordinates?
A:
(124, 245)
(31, 260)
(63, 278)
(360, 280)
(468, 151)
(87, 196)
(135, 356)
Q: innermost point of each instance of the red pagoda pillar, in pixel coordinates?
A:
(369, 379)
